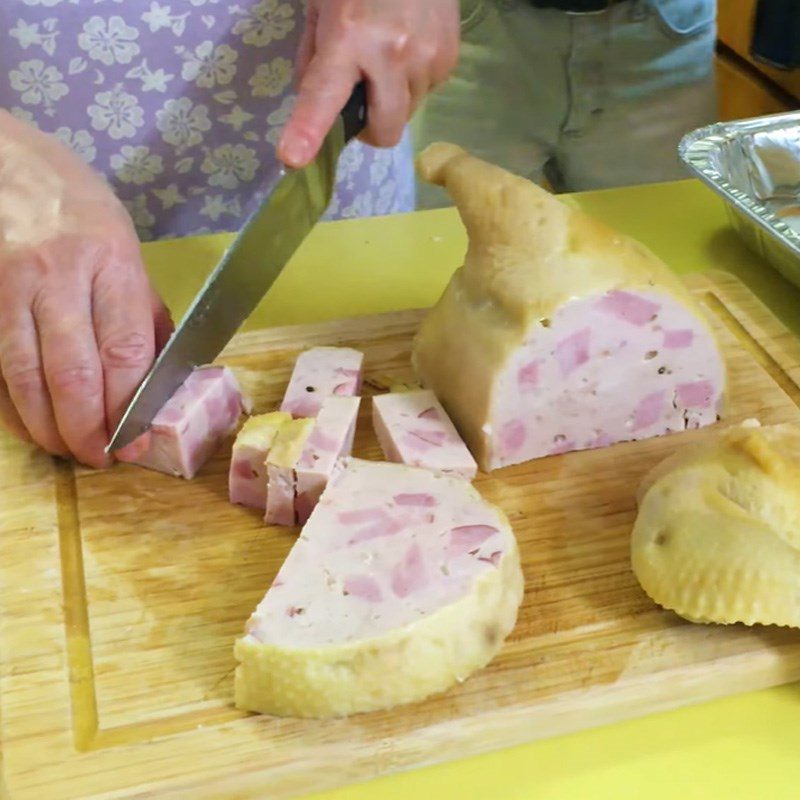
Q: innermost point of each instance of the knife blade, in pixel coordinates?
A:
(294, 202)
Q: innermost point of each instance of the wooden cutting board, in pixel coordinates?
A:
(121, 594)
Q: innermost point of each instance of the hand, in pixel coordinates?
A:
(402, 50)
(79, 321)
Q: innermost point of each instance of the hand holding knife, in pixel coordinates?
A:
(294, 202)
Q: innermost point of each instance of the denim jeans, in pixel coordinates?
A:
(586, 101)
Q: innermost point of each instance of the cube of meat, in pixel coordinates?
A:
(192, 424)
(319, 373)
(414, 429)
(247, 479)
(330, 440)
(281, 461)
(303, 457)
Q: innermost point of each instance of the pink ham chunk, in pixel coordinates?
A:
(247, 478)
(623, 366)
(319, 373)
(330, 440)
(194, 421)
(346, 604)
(303, 458)
(281, 461)
(414, 429)
(628, 365)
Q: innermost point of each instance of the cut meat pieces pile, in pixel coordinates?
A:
(403, 581)
(300, 445)
(399, 569)
(282, 461)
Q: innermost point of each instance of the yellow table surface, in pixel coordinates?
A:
(739, 747)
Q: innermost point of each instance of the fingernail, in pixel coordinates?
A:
(102, 460)
(133, 451)
(295, 150)
(94, 462)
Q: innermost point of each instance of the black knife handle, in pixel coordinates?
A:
(354, 114)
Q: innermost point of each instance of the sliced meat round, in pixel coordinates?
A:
(402, 583)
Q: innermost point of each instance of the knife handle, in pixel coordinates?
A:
(354, 114)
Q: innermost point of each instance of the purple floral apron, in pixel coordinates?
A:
(179, 103)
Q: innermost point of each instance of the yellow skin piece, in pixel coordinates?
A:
(262, 429)
(404, 387)
(717, 537)
(290, 441)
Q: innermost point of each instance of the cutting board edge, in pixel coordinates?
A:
(452, 744)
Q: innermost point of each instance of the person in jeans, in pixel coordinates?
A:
(582, 94)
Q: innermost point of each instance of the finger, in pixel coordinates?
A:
(21, 367)
(440, 73)
(448, 52)
(9, 418)
(162, 322)
(388, 107)
(124, 327)
(73, 371)
(419, 85)
(135, 450)
(305, 52)
(325, 88)
(163, 328)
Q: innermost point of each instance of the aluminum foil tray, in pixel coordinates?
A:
(754, 164)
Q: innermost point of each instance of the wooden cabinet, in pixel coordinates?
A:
(741, 95)
(746, 87)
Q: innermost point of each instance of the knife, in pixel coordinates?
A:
(294, 202)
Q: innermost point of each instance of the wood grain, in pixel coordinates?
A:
(121, 594)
